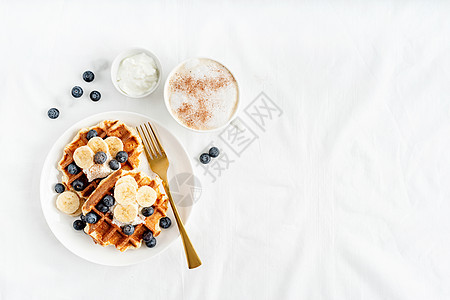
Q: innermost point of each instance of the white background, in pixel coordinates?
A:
(345, 196)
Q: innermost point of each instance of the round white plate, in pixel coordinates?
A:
(82, 244)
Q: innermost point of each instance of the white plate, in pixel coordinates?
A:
(82, 244)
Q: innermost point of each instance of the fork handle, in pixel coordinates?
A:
(191, 255)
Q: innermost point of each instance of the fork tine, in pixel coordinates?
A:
(157, 139)
(145, 140)
(150, 142)
(142, 138)
(153, 140)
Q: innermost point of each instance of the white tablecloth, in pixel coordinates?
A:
(335, 186)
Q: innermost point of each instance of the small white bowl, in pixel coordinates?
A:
(166, 97)
(127, 53)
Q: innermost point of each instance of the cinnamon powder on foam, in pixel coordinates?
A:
(196, 110)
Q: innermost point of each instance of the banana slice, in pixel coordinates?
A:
(84, 157)
(79, 210)
(114, 145)
(98, 144)
(128, 179)
(125, 213)
(146, 196)
(68, 202)
(125, 193)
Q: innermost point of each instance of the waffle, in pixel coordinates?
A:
(105, 232)
(132, 144)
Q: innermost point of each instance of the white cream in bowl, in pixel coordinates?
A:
(137, 74)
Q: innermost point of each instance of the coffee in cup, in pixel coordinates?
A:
(202, 94)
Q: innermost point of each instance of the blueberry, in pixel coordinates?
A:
(214, 152)
(165, 222)
(121, 156)
(101, 207)
(151, 243)
(147, 236)
(77, 91)
(148, 211)
(114, 164)
(95, 96)
(128, 229)
(79, 225)
(100, 157)
(205, 158)
(59, 188)
(91, 133)
(83, 218)
(88, 76)
(53, 113)
(91, 217)
(78, 185)
(108, 200)
(73, 169)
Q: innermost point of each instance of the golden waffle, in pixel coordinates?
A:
(105, 232)
(132, 144)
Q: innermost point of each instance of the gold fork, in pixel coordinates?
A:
(159, 163)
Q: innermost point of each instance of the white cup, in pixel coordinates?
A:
(167, 94)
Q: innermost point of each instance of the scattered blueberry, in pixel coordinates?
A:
(205, 158)
(83, 218)
(108, 200)
(214, 152)
(59, 188)
(79, 224)
(114, 164)
(147, 236)
(102, 207)
(95, 96)
(151, 243)
(100, 157)
(165, 222)
(88, 76)
(91, 133)
(91, 217)
(53, 113)
(128, 229)
(78, 185)
(148, 211)
(121, 156)
(77, 91)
